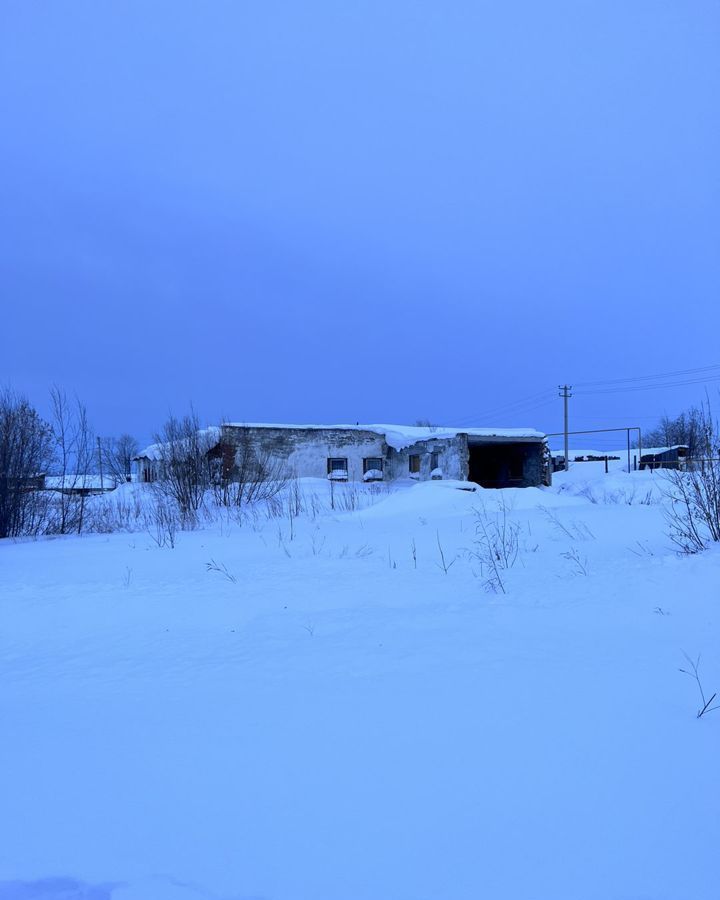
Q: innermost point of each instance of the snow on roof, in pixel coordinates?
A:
(399, 437)
(211, 435)
(656, 450)
(79, 482)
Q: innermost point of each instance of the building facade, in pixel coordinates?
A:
(489, 457)
(493, 458)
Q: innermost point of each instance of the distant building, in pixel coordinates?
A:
(79, 485)
(150, 461)
(491, 457)
(674, 457)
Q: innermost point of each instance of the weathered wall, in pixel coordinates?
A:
(534, 468)
(452, 459)
(304, 451)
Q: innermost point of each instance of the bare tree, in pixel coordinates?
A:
(117, 456)
(74, 459)
(25, 451)
(185, 469)
(693, 512)
(686, 428)
(249, 475)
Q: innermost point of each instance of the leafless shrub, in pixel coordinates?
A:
(273, 507)
(106, 515)
(221, 569)
(588, 493)
(629, 497)
(642, 549)
(444, 565)
(317, 543)
(249, 475)
(692, 512)
(347, 497)
(694, 665)
(580, 563)
(496, 545)
(647, 499)
(74, 461)
(26, 444)
(162, 522)
(282, 544)
(315, 507)
(184, 467)
(576, 531)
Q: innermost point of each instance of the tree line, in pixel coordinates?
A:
(63, 445)
(188, 469)
(689, 428)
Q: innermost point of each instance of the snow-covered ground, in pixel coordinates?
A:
(337, 708)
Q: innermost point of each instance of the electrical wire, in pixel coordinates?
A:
(648, 387)
(525, 404)
(680, 372)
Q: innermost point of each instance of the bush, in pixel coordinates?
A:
(496, 545)
(26, 444)
(693, 511)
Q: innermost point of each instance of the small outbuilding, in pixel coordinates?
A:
(80, 485)
(149, 463)
(674, 457)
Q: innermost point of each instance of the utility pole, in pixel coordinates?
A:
(99, 445)
(565, 394)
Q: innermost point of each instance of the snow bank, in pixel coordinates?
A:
(326, 707)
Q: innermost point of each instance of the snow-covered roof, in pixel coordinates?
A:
(210, 435)
(657, 450)
(79, 482)
(400, 437)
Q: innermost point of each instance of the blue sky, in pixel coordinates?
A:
(323, 211)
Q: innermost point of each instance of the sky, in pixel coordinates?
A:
(335, 212)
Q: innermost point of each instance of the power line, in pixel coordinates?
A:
(680, 372)
(541, 399)
(511, 404)
(650, 387)
(524, 404)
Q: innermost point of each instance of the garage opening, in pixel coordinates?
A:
(502, 465)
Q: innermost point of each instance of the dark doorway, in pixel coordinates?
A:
(498, 465)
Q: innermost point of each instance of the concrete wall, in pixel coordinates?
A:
(452, 459)
(304, 452)
(535, 470)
